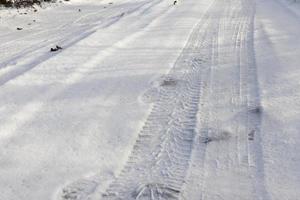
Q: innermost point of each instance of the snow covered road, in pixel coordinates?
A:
(148, 100)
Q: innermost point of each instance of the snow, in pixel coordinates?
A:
(292, 5)
(277, 52)
(194, 101)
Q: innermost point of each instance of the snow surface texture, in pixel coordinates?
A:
(147, 100)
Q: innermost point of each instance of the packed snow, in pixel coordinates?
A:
(150, 100)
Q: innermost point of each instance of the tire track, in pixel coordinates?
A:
(251, 152)
(160, 158)
(217, 161)
(254, 115)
